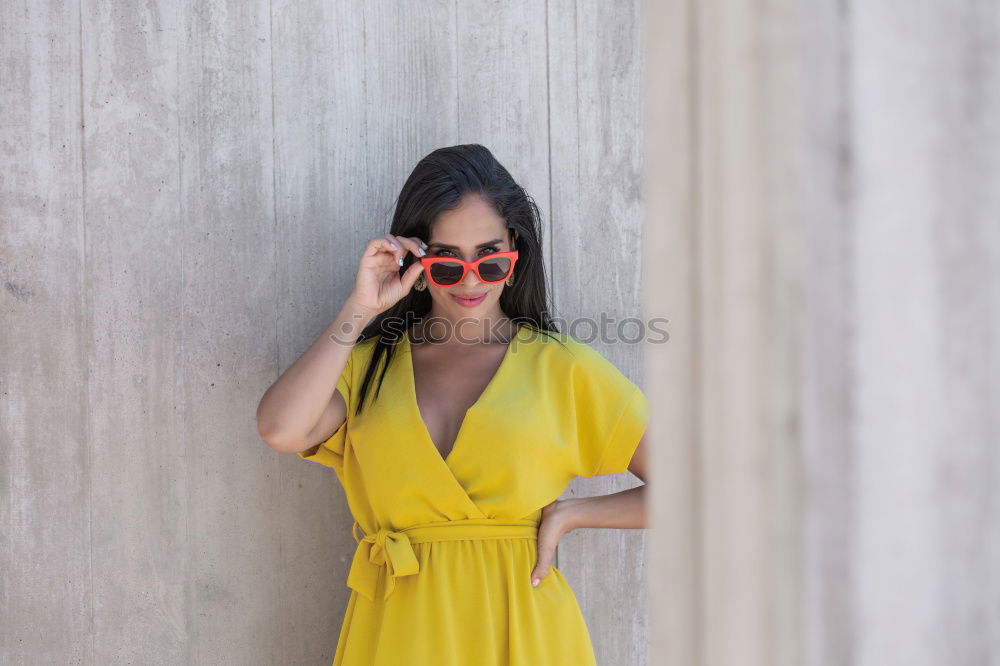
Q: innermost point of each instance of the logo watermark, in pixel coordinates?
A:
(604, 330)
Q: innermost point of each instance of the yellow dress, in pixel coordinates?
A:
(446, 545)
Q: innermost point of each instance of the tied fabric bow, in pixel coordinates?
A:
(391, 550)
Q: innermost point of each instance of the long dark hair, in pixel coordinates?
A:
(436, 185)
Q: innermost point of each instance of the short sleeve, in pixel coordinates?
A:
(610, 415)
(331, 451)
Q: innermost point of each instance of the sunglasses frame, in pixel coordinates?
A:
(467, 266)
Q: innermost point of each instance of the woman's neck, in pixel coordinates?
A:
(440, 328)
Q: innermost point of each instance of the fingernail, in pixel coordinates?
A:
(534, 583)
(422, 252)
(393, 245)
(400, 261)
(423, 244)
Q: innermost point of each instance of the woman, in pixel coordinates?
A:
(454, 424)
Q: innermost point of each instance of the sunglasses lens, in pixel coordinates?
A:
(444, 272)
(494, 270)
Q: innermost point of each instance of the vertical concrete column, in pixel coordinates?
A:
(823, 197)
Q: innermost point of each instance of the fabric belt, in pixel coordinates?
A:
(392, 552)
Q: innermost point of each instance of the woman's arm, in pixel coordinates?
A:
(304, 404)
(304, 398)
(625, 510)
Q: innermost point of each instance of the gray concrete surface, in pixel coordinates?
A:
(185, 188)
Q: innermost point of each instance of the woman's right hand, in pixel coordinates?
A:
(379, 285)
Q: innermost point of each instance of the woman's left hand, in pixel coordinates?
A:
(552, 527)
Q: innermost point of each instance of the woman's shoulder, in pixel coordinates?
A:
(366, 343)
(362, 350)
(587, 378)
(564, 349)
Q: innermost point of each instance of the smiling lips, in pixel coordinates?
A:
(469, 300)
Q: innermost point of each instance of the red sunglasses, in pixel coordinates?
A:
(451, 271)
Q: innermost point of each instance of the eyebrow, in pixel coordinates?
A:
(495, 241)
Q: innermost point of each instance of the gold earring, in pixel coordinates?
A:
(420, 284)
(510, 280)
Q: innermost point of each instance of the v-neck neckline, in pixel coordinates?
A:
(412, 390)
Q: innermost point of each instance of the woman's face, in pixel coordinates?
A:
(471, 231)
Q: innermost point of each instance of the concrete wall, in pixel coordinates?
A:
(185, 188)
(824, 206)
